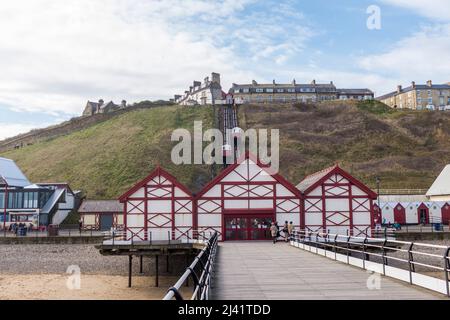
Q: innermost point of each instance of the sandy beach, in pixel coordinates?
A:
(93, 287)
(39, 272)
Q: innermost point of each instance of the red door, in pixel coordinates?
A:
(423, 214)
(247, 227)
(399, 214)
(446, 214)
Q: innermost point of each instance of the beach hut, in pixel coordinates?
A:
(101, 215)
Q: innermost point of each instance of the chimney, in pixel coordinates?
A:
(294, 82)
(413, 84)
(429, 83)
(399, 89)
(331, 82)
(124, 104)
(206, 81)
(313, 82)
(190, 88)
(101, 102)
(254, 83)
(274, 82)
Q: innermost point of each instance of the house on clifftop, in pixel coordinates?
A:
(102, 107)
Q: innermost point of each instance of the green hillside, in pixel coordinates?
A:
(407, 149)
(107, 158)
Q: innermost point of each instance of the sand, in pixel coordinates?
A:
(92, 287)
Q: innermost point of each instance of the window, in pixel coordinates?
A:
(429, 92)
(291, 90)
(269, 90)
(246, 90)
(259, 90)
(280, 90)
(237, 90)
(430, 100)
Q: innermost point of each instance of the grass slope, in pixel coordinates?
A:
(407, 149)
(106, 159)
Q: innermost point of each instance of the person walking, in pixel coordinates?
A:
(290, 229)
(286, 231)
(274, 232)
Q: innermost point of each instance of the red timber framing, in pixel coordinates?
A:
(158, 208)
(336, 202)
(244, 198)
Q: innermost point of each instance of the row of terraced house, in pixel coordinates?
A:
(417, 96)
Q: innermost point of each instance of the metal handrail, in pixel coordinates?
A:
(370, 247)
(204, 263)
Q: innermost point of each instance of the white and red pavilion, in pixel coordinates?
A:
(243, 201)
(158, 208)
(336, 202)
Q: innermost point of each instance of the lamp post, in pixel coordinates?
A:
(378, 180)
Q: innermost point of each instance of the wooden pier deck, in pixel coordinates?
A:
(263, 271)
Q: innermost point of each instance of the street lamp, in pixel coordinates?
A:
(378, 180)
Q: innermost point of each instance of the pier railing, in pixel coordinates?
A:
(422, 264)
(199, 271)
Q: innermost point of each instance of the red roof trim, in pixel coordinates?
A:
(256, 160)
(158, 171)
(346, 175)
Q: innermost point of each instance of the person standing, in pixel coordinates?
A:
(290, 229)
(286, 231)
(274, 232)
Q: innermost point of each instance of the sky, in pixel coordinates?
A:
(55, 55)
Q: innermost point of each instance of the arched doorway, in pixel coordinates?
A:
(399, 214)
(423, 214)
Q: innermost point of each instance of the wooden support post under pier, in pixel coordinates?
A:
(130, 269)
(141, 271)
(167, 263)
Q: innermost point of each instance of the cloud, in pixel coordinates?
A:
(433, 9)
(8, 130)
(55, 55)
(420, 57)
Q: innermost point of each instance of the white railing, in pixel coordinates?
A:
(397, 259)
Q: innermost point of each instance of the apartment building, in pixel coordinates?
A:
(419, 97)
(295, 92)
(202, 93)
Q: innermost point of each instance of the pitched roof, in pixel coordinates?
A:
(99, 206)
(157, 172)
(248, 156)
(312, 181)
(11, 174)
(441, 185)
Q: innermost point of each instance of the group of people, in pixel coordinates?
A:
(15, 227)
(288, 230)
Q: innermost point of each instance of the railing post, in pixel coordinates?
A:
(348, 249)
(364, 252)
(335, 247)
(447, 270)
(384, 256)
(410, 260)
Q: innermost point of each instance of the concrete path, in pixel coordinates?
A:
(261, 271)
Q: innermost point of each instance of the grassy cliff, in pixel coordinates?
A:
(107, 158)
(407, 149)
